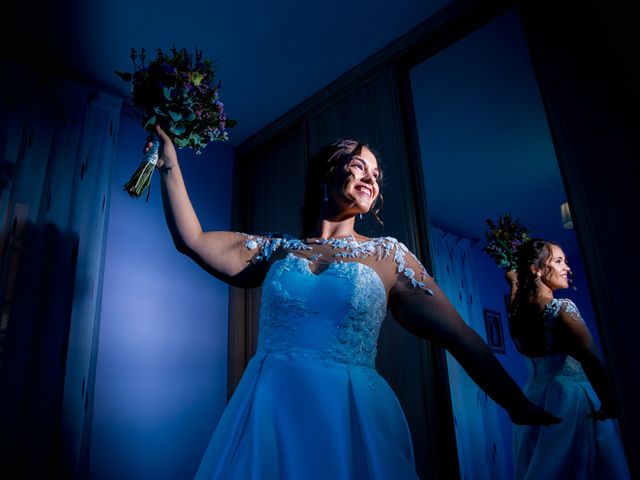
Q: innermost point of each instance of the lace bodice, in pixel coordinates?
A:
(334, 315)
(556, 365)
(324, 299)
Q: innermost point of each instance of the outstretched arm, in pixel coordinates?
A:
(578, 342)
(222, 254)
(425, 311)
(435, 319)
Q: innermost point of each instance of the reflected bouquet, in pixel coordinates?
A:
(503, 239)
(178, 91)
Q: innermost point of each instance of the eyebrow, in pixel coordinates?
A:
(358, 157)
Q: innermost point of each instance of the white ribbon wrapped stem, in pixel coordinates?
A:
(152, 154)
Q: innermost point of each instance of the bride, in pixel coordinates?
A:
(310, 403)
(566, 376)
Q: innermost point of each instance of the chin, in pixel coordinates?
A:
(364, 208)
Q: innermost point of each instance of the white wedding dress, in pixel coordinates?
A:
(310, 404)
(579, 447)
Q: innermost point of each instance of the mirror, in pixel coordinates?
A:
(486, 150)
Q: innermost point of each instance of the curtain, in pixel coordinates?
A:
(57, 144)
(477, 427)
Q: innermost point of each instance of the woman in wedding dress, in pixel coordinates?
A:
(565, 374)
(310, 403)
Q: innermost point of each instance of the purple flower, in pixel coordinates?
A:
(177, 70)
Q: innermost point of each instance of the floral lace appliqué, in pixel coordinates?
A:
(294, 323)
(346, 248)
(556, 305)
(267, 244)
(380, 248)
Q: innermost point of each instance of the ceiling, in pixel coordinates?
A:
(485, 142)
(270, 55)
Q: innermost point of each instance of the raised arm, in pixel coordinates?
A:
(223, 254)
(434, 318)
(577, 341)
(511, 278)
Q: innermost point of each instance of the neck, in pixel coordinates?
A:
(329, 228)
(542, 291)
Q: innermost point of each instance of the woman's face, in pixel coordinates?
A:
(556, 275)
(361, 189)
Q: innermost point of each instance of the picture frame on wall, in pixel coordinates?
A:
(493, 327)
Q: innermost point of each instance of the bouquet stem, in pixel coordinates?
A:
(141, 179)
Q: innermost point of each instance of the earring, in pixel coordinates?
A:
(325, 197)
(360, 216)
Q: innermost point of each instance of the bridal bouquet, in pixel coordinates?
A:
(503, 239)
(178, 91)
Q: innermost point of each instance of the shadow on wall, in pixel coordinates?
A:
(39, 285)
(56, 141)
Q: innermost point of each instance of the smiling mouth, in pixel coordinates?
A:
(366, 191)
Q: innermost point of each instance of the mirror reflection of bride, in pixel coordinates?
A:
(566, 375)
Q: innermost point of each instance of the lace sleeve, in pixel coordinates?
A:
(570, 311)
(580, 345)
(418, 304)
(410, 271)
(570, 331)
(560, 316)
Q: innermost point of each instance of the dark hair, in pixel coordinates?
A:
(320, 170)
(527, 333)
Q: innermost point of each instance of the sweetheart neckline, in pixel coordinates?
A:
(307, 263)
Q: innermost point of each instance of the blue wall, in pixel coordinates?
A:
(162, 360)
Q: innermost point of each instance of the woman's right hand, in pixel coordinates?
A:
(167, 155)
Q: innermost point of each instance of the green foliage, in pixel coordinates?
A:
(179, 91)
(503, 239)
